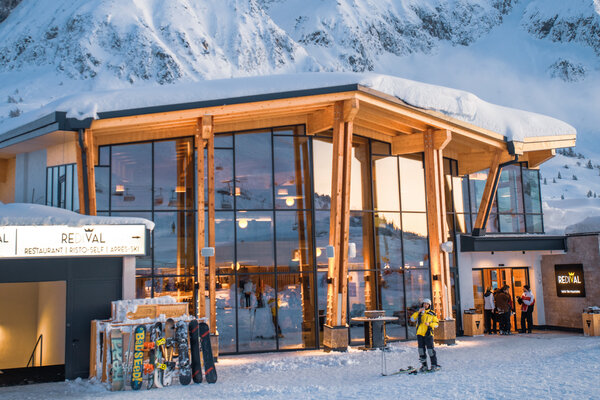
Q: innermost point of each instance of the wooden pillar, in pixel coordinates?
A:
(489, 192)
(86, 161)
(80, 171)
(209, 136)
(200, 221)
(434, 143)
(335, 331)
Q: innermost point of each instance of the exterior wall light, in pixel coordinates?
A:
(243, 223)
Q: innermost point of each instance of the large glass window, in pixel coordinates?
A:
(61, 187)
(517, 205)
(156, 181)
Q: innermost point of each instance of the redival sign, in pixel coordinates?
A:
(569, 280)
(67, 241)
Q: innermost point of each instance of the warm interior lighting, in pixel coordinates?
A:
(238, 191)
(120, 189)
(282, 192)
(319, 251)
(243, 223)
(179, 189)
(290, 201)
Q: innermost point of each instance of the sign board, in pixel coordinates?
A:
(68, 241)
(569, 280)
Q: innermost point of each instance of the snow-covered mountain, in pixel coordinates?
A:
(538, 55)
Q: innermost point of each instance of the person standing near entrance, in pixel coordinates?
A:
(426, 321)
(527, 301)
(504, 308)
(488, 311)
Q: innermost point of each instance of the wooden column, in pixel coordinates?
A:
(335, 332)
(436, 217)
(80, 171)
(90, 150)
(489, 192)
(200, 222)
(209, 135)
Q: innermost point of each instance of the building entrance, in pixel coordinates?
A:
(32, 327)
(514, 278)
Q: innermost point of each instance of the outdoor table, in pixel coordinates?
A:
(374, 331)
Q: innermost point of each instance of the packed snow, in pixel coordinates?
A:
(545, 365)
(25, 214)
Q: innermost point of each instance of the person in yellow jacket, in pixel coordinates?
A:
(426, 321)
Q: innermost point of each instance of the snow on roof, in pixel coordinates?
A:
(25, 214)
(512, 123)
(588, 225)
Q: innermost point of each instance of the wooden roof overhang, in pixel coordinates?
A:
(376, 115)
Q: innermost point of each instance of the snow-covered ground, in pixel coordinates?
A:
(543, 365)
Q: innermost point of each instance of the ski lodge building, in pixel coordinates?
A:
(285, 206)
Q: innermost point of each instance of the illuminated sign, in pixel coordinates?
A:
(67, 241)
(569, 280)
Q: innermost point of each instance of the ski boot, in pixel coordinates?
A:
(435, 367)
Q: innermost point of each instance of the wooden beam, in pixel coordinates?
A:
(536, 158)
(201, 223)
(80, 172)
(469, 163)
(351, 108)
(365, 131)
(319, 121)
(415, 143)
(219, 112)
(90, 170)
(396, 120)
(260, 123)
(208, 129)
(435, 223)
(3, 170)
(489, 193)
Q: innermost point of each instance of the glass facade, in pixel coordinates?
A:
(517, 207)
(272, 215)
(62, 189)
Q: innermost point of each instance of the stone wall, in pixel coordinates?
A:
(566, 311)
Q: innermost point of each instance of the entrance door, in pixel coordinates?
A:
(514, 278)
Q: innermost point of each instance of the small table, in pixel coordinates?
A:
(374, 331)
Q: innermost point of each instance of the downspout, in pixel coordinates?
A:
(86, 193)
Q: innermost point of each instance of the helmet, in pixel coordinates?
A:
(428, 301)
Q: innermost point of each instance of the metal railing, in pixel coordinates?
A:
(40, 341)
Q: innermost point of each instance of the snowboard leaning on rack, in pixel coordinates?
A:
(183, 357)
(116, 351)
(139, 338)
(207, 355)
(168, 349)
(196, 364)
(156, 358)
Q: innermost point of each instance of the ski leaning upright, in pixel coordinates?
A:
(195, 351)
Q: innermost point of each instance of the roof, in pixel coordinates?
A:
(459, 107)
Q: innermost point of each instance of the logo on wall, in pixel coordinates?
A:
(569, 280)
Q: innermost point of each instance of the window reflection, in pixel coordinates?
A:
(254, 241)
(510, 198)
(292, 182)
(131, 177)
(418, 286)
(388, 241)
(385, 181)
(392, 301)
(257, 324)
(322, 219)
(253, 168)
(416, 249)
(174, 175)
(226, 306)
(225, 186)
(294, 249)
(322, 165)
(143, 264)
(412, 183)
(362, 295)
(174, 247)
(360, 181)
(361, 234)
(224, 242)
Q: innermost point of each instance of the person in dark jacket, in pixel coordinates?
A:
(488, 311)
(503, 305)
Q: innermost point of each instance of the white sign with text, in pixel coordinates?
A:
(67, 241)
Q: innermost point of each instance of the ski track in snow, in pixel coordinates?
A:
(545, 365)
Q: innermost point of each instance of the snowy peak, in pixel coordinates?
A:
(148, 40)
